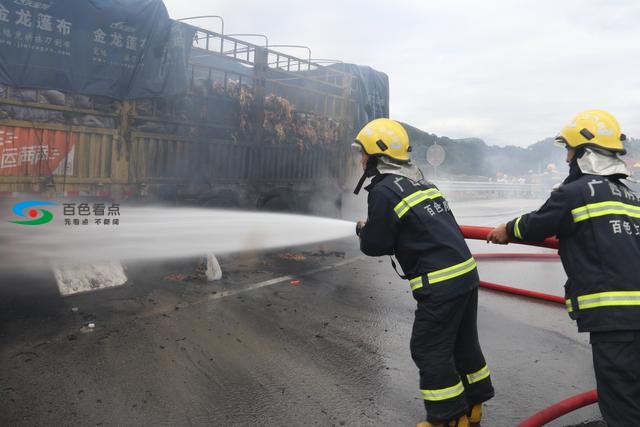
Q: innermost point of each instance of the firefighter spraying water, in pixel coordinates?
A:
(408, 217)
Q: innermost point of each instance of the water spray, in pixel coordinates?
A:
(146, 233)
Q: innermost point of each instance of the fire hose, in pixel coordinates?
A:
(522, 292)
(561, 408)
(480, 233)
(567, 405)
(516, 255)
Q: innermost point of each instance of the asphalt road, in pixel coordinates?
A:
(280, 341)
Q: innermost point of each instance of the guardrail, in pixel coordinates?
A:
(455, 189)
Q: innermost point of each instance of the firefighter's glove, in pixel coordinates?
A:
(359, 226)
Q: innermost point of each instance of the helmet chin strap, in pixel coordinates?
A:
(371, 170)
(574, 169)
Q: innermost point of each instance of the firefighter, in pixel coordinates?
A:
(408, 217)
(596, 218)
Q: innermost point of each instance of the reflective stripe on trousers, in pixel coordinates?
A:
(443, 393)
(479, 375)
(605, 299)
(444, 274)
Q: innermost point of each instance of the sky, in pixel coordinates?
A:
(511, 72)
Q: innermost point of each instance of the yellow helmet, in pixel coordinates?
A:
(385, 137)
(596, 128)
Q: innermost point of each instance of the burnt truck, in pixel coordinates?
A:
(172, 112)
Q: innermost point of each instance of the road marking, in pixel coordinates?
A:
(158, 311)
(276, 280)
(171, 308)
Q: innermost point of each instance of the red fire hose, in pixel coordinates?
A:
(481, 233)
(565, 406)
(516, 255)
(561, 408)
(523, 292)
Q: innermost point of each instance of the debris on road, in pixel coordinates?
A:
(179, 277)
(292, 256)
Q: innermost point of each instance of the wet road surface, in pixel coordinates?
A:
(280, 341)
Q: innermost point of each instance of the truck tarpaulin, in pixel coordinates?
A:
(375, 94)
(116, 48)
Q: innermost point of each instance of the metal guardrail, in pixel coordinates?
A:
(486, 189)
(480, 185)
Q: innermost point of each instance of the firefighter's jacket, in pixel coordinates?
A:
(413, 221)
(597, 220)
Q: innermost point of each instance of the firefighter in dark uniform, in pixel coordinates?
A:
(408, 217)
(596, 218)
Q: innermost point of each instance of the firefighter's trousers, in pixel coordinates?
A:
(445, 347)
(616, 360)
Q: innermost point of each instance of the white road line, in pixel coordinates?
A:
(276, 280)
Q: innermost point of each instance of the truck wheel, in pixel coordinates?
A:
(276, 203)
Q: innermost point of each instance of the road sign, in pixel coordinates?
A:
(435, 155)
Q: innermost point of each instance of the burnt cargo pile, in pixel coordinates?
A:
(224, 123)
